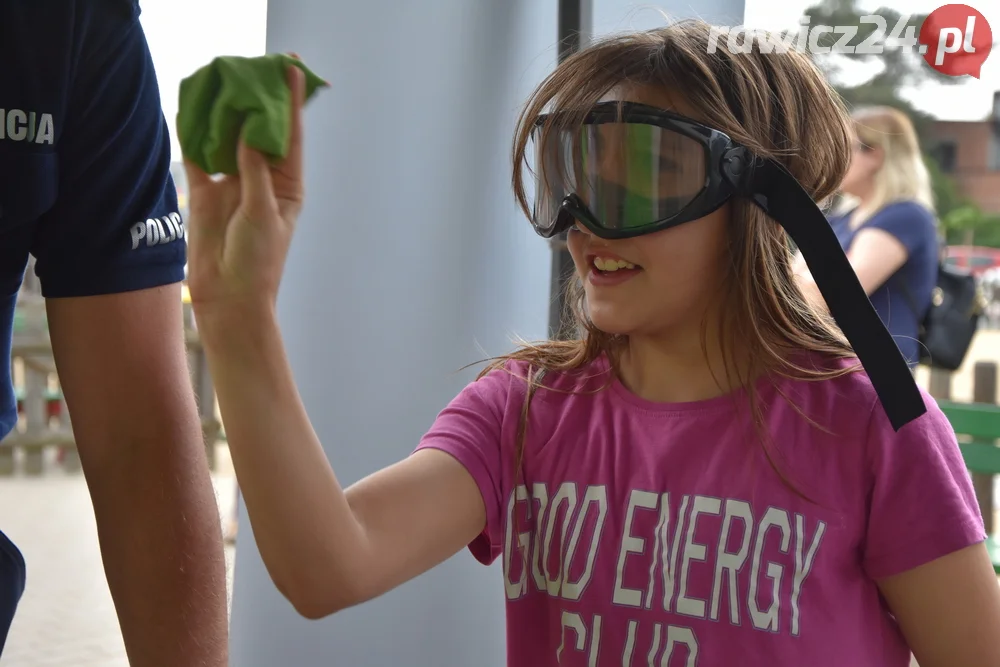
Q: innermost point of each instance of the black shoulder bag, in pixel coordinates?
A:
(947, 327)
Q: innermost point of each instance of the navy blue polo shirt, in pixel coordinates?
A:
(915, 227)
(85, 182)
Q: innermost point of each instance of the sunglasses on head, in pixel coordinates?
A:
(631, 169)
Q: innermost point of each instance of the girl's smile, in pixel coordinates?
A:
(607, 269)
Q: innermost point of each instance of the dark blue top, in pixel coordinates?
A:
(915, 227)
(85, 181)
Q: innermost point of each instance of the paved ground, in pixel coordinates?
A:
(66, 617)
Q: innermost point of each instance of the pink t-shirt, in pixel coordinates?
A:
(642, 533)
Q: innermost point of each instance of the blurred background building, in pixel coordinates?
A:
(969, 153)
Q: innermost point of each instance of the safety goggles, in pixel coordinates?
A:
(631, 169)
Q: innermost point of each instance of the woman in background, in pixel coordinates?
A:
(887, 225)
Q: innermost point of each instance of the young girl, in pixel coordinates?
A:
(704, 476)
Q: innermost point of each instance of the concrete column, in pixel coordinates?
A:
(411, 260)
(612, 16)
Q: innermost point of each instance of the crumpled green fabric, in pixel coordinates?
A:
(233, 94)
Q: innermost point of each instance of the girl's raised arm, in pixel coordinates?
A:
(324, 548)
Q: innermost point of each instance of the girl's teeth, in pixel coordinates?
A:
(603, 264)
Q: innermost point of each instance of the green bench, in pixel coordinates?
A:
(979, 423)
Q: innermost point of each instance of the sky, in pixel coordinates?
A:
(971, 99)
(183, 35)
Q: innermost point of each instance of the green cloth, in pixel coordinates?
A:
(234, 93)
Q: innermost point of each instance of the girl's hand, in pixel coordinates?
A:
(240, 227)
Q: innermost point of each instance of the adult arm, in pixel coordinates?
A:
(878, 250)
(123, 368)
(110, 257)
(875, 255)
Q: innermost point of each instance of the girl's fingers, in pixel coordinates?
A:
(196, 178)
(206, 203)
(256, 186)
(291, 167)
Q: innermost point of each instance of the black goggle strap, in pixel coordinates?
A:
(778, 194)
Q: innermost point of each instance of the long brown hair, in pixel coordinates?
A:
(777, 105)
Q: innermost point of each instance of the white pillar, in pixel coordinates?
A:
(612, 16)
(411, 261)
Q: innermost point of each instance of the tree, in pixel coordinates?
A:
(901, 66)
(895, 41)
(946, 194)
(968, 225)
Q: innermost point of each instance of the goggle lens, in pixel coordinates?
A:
(627, 175)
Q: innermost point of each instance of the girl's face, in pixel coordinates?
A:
(662, 282)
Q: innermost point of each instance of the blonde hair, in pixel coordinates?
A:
(777, 105)
(903, 175)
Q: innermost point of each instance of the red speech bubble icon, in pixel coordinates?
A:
(956, 40)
